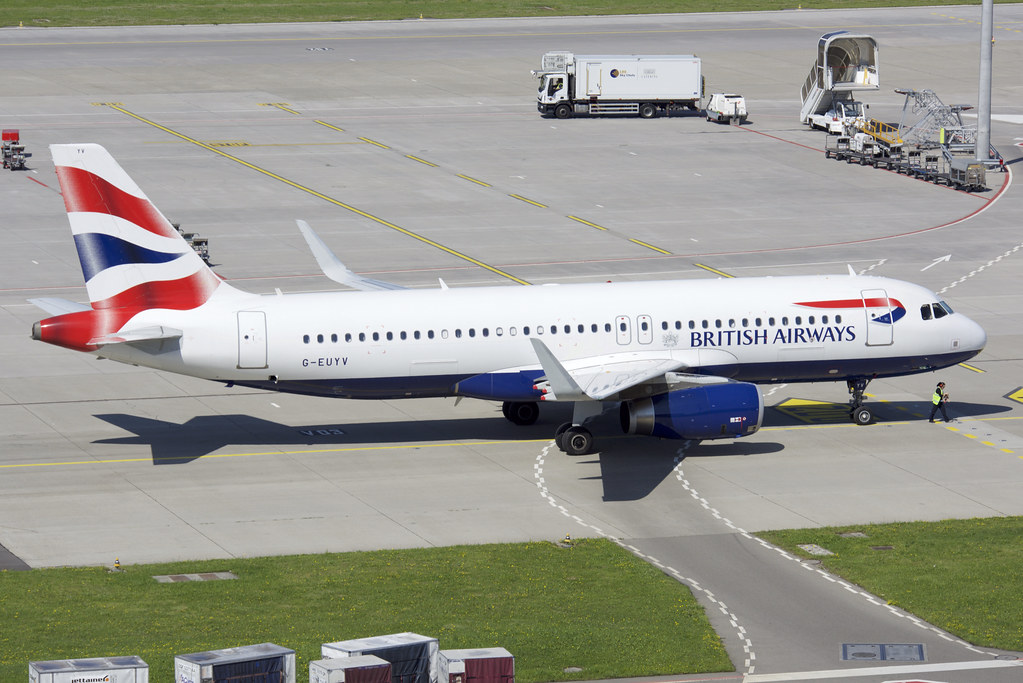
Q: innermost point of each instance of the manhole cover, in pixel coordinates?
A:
(886, 652)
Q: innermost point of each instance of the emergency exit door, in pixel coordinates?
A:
(251, 339)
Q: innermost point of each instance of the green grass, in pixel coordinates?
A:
(965, 576)
(593, 606)
(144, 12)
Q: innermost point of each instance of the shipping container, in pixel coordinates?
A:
(413, 657)
(263, 663)
(357, 669)
(129, 669)
(478, 665)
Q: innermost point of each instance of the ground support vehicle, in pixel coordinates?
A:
(637, 85)
(14, 154)
(725, 107)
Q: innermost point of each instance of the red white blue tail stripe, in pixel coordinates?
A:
(131, 256)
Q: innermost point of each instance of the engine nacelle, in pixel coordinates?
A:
(712, 411)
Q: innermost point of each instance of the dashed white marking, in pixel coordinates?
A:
(872, 599)
(747, 644)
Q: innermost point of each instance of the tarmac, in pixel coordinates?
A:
(410, 146)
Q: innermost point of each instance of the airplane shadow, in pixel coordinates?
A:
(174, 444)
(632, 467)
(791, 413)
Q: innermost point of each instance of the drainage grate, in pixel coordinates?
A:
(883, 652)
(206, 576)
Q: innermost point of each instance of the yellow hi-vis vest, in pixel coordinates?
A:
(936, 398)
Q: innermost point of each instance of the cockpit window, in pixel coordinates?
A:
(925, 311)
(939, 311)
(946, 307)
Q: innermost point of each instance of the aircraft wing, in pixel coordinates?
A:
(610, 375)
(56, 306)
(334, 269)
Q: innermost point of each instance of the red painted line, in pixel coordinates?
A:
(40, 182)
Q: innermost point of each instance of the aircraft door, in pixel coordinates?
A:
(593, 75)
(623, 329)
(644, 329)
(251, 339)
(878, 309)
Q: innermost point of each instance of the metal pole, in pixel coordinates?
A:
(983, 149)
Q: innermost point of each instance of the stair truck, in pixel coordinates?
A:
(845, 63)
(638, 85)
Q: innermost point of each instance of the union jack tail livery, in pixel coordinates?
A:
(132, 257)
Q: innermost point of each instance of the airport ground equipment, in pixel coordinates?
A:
(255, 663)
(844, 115)
(845, 63)
(726, 107)
(14, 154)
(130, 669)
(638, 85)
(200, 245)
(413, 657)
(477, 665)
(357, 669)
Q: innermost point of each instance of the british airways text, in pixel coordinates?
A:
(785, 335)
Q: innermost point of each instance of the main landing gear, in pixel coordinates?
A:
(570, 437)
(859, 413)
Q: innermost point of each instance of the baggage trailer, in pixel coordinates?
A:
(637, 85)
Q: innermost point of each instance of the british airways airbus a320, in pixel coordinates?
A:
(682, 359)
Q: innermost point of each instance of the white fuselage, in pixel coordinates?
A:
(412, 343)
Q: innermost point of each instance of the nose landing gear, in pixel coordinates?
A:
(859, 413)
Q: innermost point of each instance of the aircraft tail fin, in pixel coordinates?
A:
(131, 256)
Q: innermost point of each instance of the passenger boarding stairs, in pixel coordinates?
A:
(940, 125)
(845, 62)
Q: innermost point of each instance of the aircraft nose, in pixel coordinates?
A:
(974, 337)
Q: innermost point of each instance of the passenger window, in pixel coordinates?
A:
(759, 322)
(785, 320)
(607, 327)
(390, 336)
(362, 336)
(415, 334)
(770, 321)
(429, 334)
(799, 320)
(403, 335)
(582, 328)
(838, 320)
(486, 331)
(348, 336)
(717, 324)
(525, 330)
(925, 311)
(512, 331)
(664, 325)
(376, 336)
(472, 331)
(678, 324)
(319, 338)
(499, 331)
(731, 322)
(810, 320)
(594, 328)
(643, 325)
(539, 329)
(568, 328)
(443, 334)
(705, 324)
(824, 319)
(621, 326)
(305, 338)
(554, 329)
(333, 338)
(692, 324)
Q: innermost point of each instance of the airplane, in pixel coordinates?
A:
(680, 359)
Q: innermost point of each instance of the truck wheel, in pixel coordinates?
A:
(563, 111)
(647, 110)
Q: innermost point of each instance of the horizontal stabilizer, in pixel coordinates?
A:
(56, 306)
(334, 269)
(141, 334)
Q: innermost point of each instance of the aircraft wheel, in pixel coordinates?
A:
(578, 441)
(521, 413)
(563, 111)
(862, 416)
(559, 435)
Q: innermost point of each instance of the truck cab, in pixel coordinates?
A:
(841, 118)
(554, 91)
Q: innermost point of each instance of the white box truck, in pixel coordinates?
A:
(643, 85)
